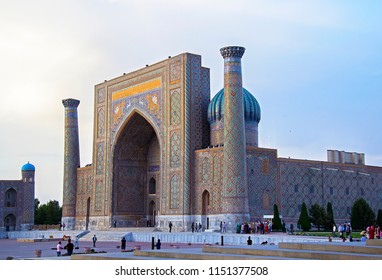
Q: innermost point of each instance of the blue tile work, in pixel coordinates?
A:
(261, 183)
(322, 182)
(71, 159)
(232, 180)
(235, 192)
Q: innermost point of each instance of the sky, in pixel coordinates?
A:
(315, 68)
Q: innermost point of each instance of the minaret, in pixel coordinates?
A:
(71, 162)
(235, 192)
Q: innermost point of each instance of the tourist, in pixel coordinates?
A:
(371, 232)
(158, 244)
(69, 247)
(94, 240)
(170, 226)
(224, 227)
(378, 232)
(221, 226)
(123, 244)
(193, 227)
(59, 248)
(249, 241)
(334, 230)
(200, 227)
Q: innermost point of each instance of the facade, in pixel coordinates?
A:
(17, 201)
(163, 151)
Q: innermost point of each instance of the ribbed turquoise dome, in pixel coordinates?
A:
(28, 167)
(251, 107)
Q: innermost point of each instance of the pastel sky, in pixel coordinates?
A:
(314, 66)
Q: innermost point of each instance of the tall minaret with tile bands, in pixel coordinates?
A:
(235, 190)
(71, 162)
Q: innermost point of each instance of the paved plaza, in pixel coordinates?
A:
(173, 245)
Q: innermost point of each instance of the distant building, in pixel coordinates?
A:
(163, 151)
(17, 201)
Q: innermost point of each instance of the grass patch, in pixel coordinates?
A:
(326, 233)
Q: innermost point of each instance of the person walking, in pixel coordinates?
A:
(94, 240)
(123, 244)
(59, 249)
(170, 226)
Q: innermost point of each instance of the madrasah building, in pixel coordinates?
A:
(163, 151)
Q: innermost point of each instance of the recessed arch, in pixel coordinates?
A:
(10, 222)
(205, 202)
(10, 198)
(136, 159)
(152, 186)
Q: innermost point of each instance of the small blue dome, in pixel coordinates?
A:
(252, 111)
(28, 167)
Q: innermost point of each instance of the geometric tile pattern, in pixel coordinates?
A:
(101, 122)
(234, 170)
(175, 149)
(175, 107)
(71, 157)
(174, 192)
(323, 182)
(206, 169)
(100, 158)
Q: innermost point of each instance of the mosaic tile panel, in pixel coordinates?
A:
(206, 169)
(100, 158)
(175, 107)
(175, 72)
(175, 149)
(101, 122)
(174, 191)
(101, 95)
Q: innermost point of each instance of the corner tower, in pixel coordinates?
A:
(71, 162)
(235, 192)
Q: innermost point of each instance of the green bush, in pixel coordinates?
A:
(276, 222)
(362, 215)
(304, 220)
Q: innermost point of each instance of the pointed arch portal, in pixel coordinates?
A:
(136, 162)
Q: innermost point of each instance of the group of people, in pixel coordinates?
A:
(372, 232)
(196, 227)
(261, 227)
(344, 230)
(69, 247)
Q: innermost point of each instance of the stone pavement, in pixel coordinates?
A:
(178, 245)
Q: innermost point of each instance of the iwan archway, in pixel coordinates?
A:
(136, 160)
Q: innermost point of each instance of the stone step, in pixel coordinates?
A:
(374, 242)
(199, 254)
(356, 248)
(275, 251)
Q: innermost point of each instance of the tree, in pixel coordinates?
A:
(276, 222)
(48, 214)
(304, 220)
(329, 219)
(379, 218)
(361, 215)
(317, 214)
